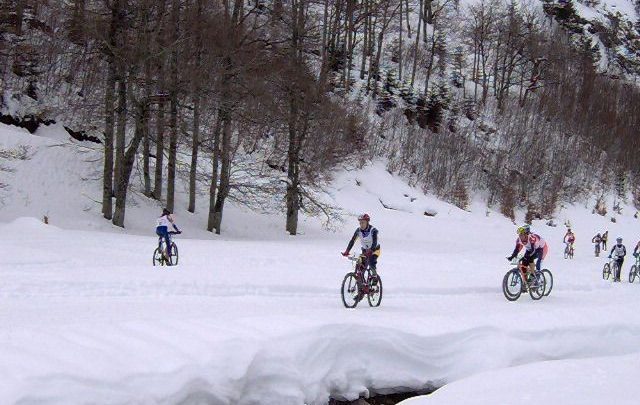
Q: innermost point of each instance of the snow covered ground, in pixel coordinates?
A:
(255, 316)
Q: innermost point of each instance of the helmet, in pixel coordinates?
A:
(569, 230)
(165, 211)
(524, 230)
(619, 239)
(364, 217)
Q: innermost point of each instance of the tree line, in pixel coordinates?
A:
(262, 100)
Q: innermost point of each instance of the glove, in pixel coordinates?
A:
(509, 258)
(345, 254)
(609, 256)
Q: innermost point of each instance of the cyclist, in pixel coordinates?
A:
(597, 241)
(605, 237)
(535, 249)
(636, 251)
(569, 238)
(162, 228)
(368, 236)
(620, 251)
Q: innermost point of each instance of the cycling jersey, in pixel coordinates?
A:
(368, 239)
(619, 251)
(570, 237)
(165, 220)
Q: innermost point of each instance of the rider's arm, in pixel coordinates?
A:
(374, 237)
(515, 251)
(352, 241)
(175, 227)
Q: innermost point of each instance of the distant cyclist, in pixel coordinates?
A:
(535, 248)
(597, 241)
(569, 238)
(368, 236)
(619, 251)
(636, 251)
(162, 228)
(605, 237)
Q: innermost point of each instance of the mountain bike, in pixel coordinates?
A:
(513, 285)
(568, 251)
(635, 270)
(160, 256)
(361, 282)
(611, 267)
(598, 249)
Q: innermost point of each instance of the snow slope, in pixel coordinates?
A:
(255, 317)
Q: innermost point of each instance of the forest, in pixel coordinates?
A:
(526, 104)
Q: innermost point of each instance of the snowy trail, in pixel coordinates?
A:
(86, 316)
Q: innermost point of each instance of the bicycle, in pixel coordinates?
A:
(609, 267)
(634, 272)
(597, 249)
(535, 284)
(361, 282)
(568, 251)
(160, 256)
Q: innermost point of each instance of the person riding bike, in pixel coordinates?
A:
(604, 238)
(597, 240)
(536, 249)
(636, 251)
(569, 238)
(620, 251)
(162, 228)
(368, 236)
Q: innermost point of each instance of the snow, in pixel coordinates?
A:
(592, 381)
(254, 316)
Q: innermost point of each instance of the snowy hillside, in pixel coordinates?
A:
(255, 316)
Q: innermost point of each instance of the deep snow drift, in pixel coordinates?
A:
(255, 316)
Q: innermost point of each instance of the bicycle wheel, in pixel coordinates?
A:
(616, 272)
(566, 252)
(537, 286)
(157, 258)
(548, 280)
(350, 290)
(375, 290)
(174, 254)
(606, 271)
(632, 273)
(512, 285)
(597, 251)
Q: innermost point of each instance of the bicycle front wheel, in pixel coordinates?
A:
(512, 285)
(633, 273)
(606, 271)
(174, 254)
(548, 280)
(350, 291)
(375, 290)
(537, 287)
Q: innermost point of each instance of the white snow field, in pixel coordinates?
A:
(255, 316)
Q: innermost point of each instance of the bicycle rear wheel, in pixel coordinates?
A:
(512, 285)
(606, 271)
(632, 273)
(375, 290)
(537, 286)
(566, 252)
(158, 259)
(548, 279)
(350, 291)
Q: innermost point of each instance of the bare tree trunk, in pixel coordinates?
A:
(400, 45)
(122, 185)
(196, 113)
(214, 174)
(157, 187)
(417, 45)
(365, 43)
(173, 117)
(107, 175)
(225, 173)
